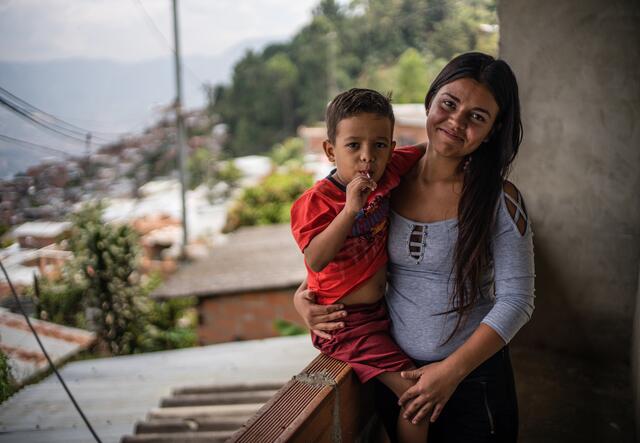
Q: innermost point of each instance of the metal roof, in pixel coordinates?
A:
(251, 259)
(117, 392)
(25, 357)
(41, 229)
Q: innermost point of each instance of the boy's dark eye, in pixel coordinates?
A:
(353, 145)
(381, 145)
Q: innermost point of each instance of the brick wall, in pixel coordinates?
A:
(244, 316)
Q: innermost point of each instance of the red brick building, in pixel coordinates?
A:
(244, 286)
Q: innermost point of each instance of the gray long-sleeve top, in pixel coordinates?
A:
(421, 281)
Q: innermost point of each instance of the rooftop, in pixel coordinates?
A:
(104, 387)
(41, 229)
(250, 259)
(25, 357)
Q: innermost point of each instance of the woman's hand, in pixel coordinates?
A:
(435, 383)
(319, 318)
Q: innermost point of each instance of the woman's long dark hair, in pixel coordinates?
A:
(484, 176)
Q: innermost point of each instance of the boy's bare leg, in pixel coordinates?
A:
(407, 431)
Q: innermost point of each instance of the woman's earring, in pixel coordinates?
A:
(466, 165)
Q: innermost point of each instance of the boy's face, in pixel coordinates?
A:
(363, 144)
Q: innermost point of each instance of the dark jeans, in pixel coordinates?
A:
(483, 408)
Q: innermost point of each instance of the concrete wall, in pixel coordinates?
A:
(244, 316)
(635, 361)
(577, 63)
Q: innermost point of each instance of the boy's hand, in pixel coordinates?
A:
(358, 191)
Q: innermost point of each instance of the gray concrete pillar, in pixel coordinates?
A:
(577, 63)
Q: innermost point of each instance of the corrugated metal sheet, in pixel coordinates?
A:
(116, 393)
(25, 357)
(252, 258)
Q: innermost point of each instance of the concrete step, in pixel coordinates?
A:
(218, 398)
(212, 389)
(179, 437)
(198, 412)
(189, 425)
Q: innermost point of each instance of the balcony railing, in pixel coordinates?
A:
(324, 403)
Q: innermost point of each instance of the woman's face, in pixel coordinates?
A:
(460, 118)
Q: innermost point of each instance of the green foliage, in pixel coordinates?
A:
(6, 381)
(61, 302)
(288, 153)
(286, 328)
(229, 173)
(201, 167)
(270, 201)
(107, 256)
(205, 168)
(411, 74)
(346, 44)
(6, 242)
(169, 324)
(100, 289)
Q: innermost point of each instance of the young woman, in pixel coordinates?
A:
(461, 274)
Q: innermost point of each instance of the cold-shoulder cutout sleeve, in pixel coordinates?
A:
(515, 205)
(512, 250)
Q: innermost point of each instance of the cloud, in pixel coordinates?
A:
(118, 30)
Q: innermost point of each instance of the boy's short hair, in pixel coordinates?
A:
(356, 101)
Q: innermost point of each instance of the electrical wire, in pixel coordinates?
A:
(44, 351)
(56, 120)
(28, 116)
(156, 30)
(37, 146)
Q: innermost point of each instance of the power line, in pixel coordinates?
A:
(28, 116)
(156, 30)
(56, 120)
(37, 146)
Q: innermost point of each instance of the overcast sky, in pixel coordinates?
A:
(36, 30)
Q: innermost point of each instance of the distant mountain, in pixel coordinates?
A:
(101, 95)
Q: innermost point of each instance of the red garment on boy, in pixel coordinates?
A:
(365, 249)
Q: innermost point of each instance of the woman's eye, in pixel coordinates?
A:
(448, 104)
(478, 117)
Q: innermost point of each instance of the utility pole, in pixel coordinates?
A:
(180, 128)
(87, 145)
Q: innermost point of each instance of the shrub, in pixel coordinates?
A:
(270, 201)
(6, 381)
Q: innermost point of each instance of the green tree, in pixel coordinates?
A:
(410, 77)
(107, 256)
(288, 84)
(288, 153)
(201, 166)
(283, 75)
(100, 288)
(270, 201)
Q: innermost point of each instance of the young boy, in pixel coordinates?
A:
(341, 226)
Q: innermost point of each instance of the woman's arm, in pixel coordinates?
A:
(512, 247)
(319, 318)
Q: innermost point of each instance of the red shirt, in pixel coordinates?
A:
(365, 249)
